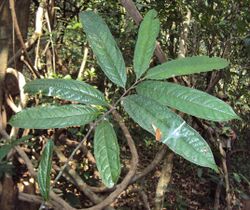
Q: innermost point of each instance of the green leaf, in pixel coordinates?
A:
(44, 169)
(107, 153)
(145, 45)
(54, 116)
(5, 149)
(188, 100)
(179, 136)
(104, 47)
(185, 66)
(71, 90)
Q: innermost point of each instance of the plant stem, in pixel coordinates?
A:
(112, 108)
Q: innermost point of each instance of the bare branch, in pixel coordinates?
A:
(144, 198)
(84, 60)
(81, 185)
(164, 180)
(136, 16)
(158, 157)
(20, 38)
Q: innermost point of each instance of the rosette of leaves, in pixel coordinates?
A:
(149, 107)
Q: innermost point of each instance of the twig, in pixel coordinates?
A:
(81, 185)
(28, 45)
(216, 76)
(73, 153)
(112, 108)
(51, 41)
(238, 151)
(36, 62)
(12, 105)
(4, 58)
(27, 161)
(158, 157)
(3, 132)
(36, 199)
(85, 150)
(21, 83)
(144, 198)
(217, 194)
(20, 38)
(136, 16)
(184, 35)
(226, 177)
(64, 205)
(84, 60)
(164, 180)
(39, 18)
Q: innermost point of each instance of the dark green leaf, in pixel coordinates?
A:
(5, 149)
(54, 116)
(104, 47)
(185, 66)
(107, 153)
(188, 100)
(44, 169)
(176, 133)
(72, 90)
(145, 45)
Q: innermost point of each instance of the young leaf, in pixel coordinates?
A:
(185, 66)
(71, 90)
(188, 100)
(107, 153)
(175, 133)
(5, 149)
(54, 116)
(145, 45)
(44, 169)
(104, 47)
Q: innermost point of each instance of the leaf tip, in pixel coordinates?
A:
(152, 13)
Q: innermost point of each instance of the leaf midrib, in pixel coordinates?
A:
(77, 90)
(190, 102)
(104, 47)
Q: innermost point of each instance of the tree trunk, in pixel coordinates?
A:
(8, 47)
(5, 31)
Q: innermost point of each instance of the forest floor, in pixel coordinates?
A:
(191, 187)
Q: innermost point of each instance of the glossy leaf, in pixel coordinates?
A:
(175, 132)
(145, 45)
(108, 55)
(54, 116)
(107, 153)
(185, 66)
(71, 90)
(5, 149)
(44, 169)
(188, 100)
